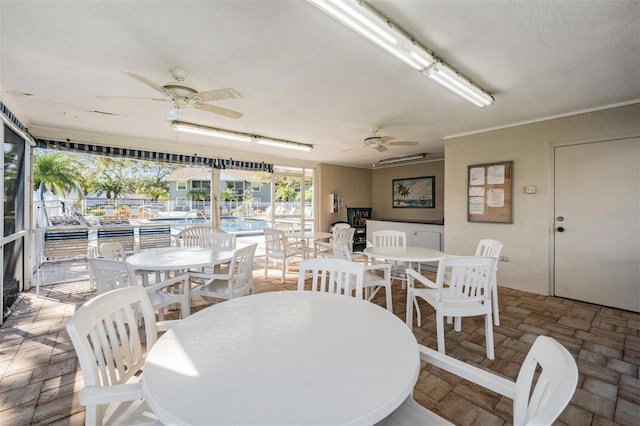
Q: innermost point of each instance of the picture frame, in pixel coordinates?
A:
(490, 192)
(414, 193)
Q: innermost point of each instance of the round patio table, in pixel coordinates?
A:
(282, 358)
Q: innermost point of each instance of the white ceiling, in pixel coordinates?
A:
(303, 76)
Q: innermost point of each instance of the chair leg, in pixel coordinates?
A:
(418, 314)
(284, 269)
(496, 310)
(488, 325)
(457, 324)
(387, 293)
(409, 319)
(440, 331)
(266, 265)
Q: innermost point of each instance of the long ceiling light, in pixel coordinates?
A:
(373, 26)
(402, 159)
(284, 144)
(182, 126)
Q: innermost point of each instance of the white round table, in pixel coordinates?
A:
(405, 254)
(282, 358)
(178, 258)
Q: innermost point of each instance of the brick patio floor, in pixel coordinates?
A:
(40, 380)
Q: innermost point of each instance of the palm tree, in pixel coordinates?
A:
(58, 172)
(403, 191)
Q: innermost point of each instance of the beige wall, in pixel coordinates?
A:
(528, 241)
(350, 183)
(382, 191)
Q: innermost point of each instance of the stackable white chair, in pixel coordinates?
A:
(221, 240)
(113, 274)
(332, 275)
(539, 403)
(342, 235)
(468, 294)
(105, 334)
(492, 248)
(277, 249)
(237, 282)
(113, 250)
(390, 238)
(294, 244)
(371, 281)
(190, 237)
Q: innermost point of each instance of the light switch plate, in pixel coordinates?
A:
(530, 189)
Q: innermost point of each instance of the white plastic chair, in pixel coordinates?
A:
(113, 274)
(371, 281)
(237, 282)
(105, 334)
(468, 294)
(277, 249)
(332, 275)
(342, 235)
(113, 250)
(221, 240)
(539, 403)
(294, 244)
(390, 238)
(492, 248)
(190, 237)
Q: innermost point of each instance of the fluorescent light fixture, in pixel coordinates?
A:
(449, 78)
(181, 126)
(402, 159)
(198, 129)
(284, 144)
(366, 21)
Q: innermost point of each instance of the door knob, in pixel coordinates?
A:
(560, 229)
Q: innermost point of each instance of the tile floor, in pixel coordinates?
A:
(39, 377)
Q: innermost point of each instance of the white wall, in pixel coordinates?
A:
(527, 241)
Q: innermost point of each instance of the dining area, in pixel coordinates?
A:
(330, 349)
(434, 388)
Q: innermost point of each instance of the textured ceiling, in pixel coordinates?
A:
(303, 76)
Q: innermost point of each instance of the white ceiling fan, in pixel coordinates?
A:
(181, 95)
(382, 143)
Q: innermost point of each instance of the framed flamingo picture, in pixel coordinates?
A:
(414, 193)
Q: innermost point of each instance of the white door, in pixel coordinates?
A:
(597, 223)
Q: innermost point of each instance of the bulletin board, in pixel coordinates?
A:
(490, 192)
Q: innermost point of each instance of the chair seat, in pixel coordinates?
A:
(410, 413)
(371, 278)
(219, 288)
(431, 296)
(162, 298)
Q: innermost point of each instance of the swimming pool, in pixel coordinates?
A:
(228, 224)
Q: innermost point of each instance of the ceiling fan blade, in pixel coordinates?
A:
(381, 148)
(132, 97)
(218, 110)
(403, 143)
(216, 95)
(385, 139)
(150, 83)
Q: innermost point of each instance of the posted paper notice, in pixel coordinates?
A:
(495, 198)
(476, 205)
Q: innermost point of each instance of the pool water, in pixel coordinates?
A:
(227, 224)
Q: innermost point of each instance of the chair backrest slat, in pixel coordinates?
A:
(332, 275)
(389, 238)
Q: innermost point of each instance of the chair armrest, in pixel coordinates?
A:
(204, 275)
(98, 395)
(180, 279)
(469, 372)
(412, 275)
(385, 267)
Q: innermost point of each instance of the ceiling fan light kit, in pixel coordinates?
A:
(181, 126)
(403, 159)
(366, 21)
